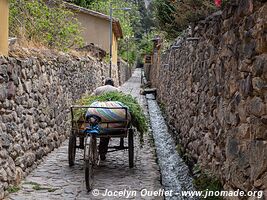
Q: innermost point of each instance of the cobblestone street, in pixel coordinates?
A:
(54, 179)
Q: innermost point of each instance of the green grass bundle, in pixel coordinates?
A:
(138, 118)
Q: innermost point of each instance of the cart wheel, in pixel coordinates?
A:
(89, 160)
(72, 149)
(131, 148)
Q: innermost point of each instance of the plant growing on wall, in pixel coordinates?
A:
(173, 16)
(37, 22)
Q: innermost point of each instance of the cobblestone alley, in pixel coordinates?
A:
(54, 179)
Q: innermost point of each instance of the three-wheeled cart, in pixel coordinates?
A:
(88, 140)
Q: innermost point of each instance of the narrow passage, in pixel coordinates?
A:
(54, 179)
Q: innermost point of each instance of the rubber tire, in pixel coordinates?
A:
(88, 165)
(72, 149)
(131, 148)
(88, 175)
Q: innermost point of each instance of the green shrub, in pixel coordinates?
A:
(13, 189)
(138, 117)
(53, 26)
(204, 181)
(174, 16)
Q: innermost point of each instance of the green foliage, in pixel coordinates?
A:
(129, 20)
(138, 117)
(180, 149)
(31, 183)
(37, 22)
(146, 44)
(128, 50)
(165, 19)
(82, 3)
(52, 189)
(175, 16)
(13, 189)
(204, 181)
(147, 19)
(37, 186)
(137, 47)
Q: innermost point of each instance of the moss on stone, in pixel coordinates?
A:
(31, 183)
(37, 186)
(179, 149)
(13, 189)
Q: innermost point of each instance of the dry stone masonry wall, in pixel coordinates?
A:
(213, 84)
(125, 71)
(36, 92)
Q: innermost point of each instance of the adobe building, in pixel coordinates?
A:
(4, 27)
(95, 29)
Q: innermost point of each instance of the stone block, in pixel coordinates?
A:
(261, 46)
(248, 49)
(233, 87)
(245, 65)
(3, 92)
(258, 159)
(245, 7)
(259, 67)
(5, 139)
(28, 123)
(244, 132)
(19, 174)
(243, 160)
(3, 175)
(28, 86)
(3, 71)
(11, 90)
(245, 86)
(249, 22)
(256, 107)
(261, 30)
(259, 85)
(23, 74)
(258, 129)
(231, 148)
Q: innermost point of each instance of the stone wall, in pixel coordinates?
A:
(213, 84)
(125, 71)
(36, 92)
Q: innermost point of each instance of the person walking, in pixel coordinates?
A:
(104, 141)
